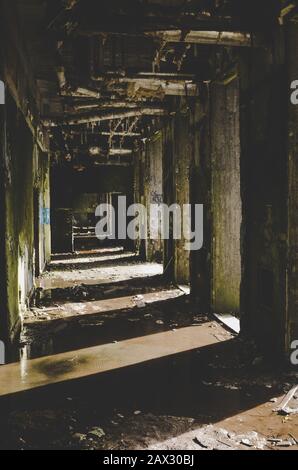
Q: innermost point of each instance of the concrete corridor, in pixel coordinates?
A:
(149, 224)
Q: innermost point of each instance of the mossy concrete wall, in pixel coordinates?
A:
(42, 222)
(23, 177)
(226, 198)
(19, 214)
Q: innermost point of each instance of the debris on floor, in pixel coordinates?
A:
(285, 407)
(218, 396)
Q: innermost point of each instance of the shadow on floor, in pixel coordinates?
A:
(148, 402)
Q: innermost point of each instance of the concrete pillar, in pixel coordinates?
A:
(200, 187)
(226, 197)
(139, 194)
(154, 196)
(292, 235)
(182, 156)
(263, 104)
(168, 194)
(178, 150)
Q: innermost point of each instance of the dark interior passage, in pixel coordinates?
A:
(149, 228)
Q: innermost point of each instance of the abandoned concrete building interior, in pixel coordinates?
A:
(149, 342)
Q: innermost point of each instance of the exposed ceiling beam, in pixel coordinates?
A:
(223, 38)
(172, 87)
(99, 117)
(106, 105)
(81, 92)
(121, 134)
(120, 151)
(163, 77)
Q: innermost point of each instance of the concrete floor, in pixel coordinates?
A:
(114, 357)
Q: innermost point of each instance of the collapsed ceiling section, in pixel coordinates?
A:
(111, 69)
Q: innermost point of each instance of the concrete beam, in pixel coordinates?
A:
(99, 117)
(121, 134)
(223, 38)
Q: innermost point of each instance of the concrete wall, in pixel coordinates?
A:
(292, 236)
(19, 214)
(226, 197)
(23, 177)
(42, 222)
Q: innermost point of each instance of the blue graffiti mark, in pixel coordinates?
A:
(44, 216)
(2, 92)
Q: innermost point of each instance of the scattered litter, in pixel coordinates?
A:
(139, 301)
(288, 443)
(252, 439)
(232, 322)
(185, 289)
(274, 440)
(96, 432)
(79, 437)
(160, 322)
(246, 442)
(212, 438)
(283, 408)
(137, 413)
(196, 440)
(294, 438)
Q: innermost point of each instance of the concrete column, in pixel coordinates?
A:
(292, 236)
(139, 193)
(168, 194)
(226, 197)
(154, 196)
(200, 186)
(182, 156)
(263, 104)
